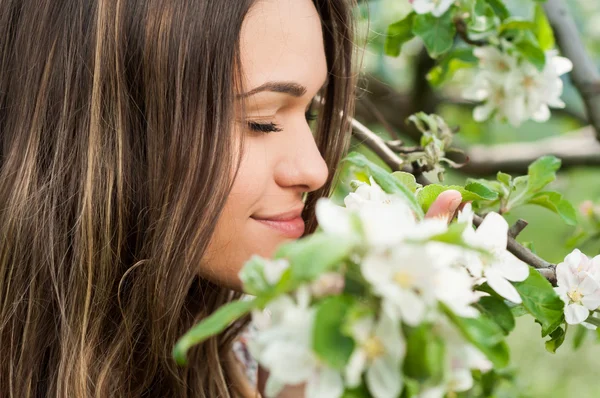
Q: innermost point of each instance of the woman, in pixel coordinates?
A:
(148, 147)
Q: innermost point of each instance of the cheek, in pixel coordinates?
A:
(237, 236)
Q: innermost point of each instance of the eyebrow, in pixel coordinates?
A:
(292, 88)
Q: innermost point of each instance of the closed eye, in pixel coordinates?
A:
(273, 127)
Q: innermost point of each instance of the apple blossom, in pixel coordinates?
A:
(539, 90)
(577, 288)
(502, 267)
(283, 344)
(380, 348)
(515, 89)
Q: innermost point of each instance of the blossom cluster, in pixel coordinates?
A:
(578, 279)
(513, 89)
(413, 275)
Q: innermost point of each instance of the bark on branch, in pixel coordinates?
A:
(585, 74)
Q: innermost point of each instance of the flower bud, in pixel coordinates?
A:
(328, 284)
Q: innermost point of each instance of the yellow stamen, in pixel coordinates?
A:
(575, 296)
(404, 279)
(373, 348)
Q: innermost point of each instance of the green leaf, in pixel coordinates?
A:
(542, 172)
(483, 17)
(407, 179)
(436, 32)
(516, 23)
(504, 178)
(499, 9)
(399, 33)
(481, 190)
(484, 334)
(541, 301)
(498, 312)
(554, 201)
(359, 392)
(518, 310)
(425, 351)
(457, 59)
(532, 53)
(386, 181)
(557, 337)
(315, 254)
(474, 191)
(210, 326)
(543, 31)
(331, 346)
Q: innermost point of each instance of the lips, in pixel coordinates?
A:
(290, 224)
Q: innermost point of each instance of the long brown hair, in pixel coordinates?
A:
(116, 146)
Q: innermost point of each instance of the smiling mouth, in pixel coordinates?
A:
(290, 225)
(293, 228)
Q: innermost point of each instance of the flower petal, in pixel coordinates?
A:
(492, 232)
(588, 285)
(355, 367)
(326, 383)
(384, 378)
(576, 313)
(502, 286)
(412, 308)
(333, 219)
(511, 267)
(591, 301)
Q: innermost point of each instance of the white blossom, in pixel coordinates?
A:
(502, 267)
(402, 277)
(577, 288)
(515, 89)
(435, 7)
(489, 86)
(539, 90)
(283, 345)
(380, 348)
(454, 288)
(460, 359)
(581, 265)
(385, 219)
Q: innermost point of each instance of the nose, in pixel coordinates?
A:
(300, 164)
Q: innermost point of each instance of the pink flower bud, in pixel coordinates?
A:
(586, 208)
(328, 284)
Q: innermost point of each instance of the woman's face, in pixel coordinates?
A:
(284, 66)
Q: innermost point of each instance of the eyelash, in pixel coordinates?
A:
(272, 127)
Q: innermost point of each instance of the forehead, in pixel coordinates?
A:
(282, 40)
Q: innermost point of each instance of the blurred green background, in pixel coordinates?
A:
(568, 373)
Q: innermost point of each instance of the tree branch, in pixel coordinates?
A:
(517, 228)
(377, 144)
(579, 148)
(585, 74)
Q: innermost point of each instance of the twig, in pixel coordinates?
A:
(461, 29)
(517, 227)
(377, 144)
(585, 74)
